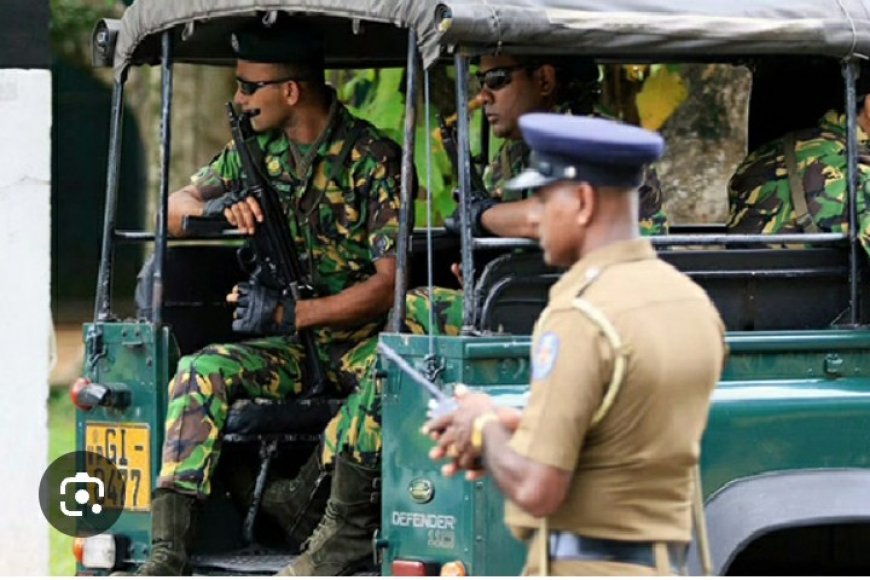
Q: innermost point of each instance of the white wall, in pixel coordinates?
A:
(25, 317)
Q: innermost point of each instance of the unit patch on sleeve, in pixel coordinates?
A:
(544, 358)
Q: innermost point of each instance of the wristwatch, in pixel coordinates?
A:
(477, 429)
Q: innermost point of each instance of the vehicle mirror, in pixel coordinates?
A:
(103, 42)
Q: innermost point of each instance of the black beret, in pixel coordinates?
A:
(286, 41)
(575, 68)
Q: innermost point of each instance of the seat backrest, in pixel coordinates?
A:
(754, 289)
(512, 291)
(197, 280)
(771, 288)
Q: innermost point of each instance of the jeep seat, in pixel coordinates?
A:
(512, 291)
(753, 288)
(271, 424)
(252, 419)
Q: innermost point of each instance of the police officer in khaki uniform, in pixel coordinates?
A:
(598, 468)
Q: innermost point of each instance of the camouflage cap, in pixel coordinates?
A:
(287, 40)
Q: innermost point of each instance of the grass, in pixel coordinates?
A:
(61, 439)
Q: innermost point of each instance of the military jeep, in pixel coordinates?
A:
(784, 460)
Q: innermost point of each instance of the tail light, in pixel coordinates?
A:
(86, 395)
(455, 568)
(103, 551)
(78, 549)
(413, 568)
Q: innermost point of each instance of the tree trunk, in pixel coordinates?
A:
(706, 141)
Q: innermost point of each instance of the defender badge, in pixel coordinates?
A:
(421, 490)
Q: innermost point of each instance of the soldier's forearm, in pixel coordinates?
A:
(511, 220)
(182, 203)
(360, 303)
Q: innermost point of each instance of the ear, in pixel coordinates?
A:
(292, 92)
(547, 80)
(588, 203)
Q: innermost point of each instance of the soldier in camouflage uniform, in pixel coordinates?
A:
(772, 194)
(338, 180)
(512, 86)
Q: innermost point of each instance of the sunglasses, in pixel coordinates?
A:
(497, 78)
(248, 88)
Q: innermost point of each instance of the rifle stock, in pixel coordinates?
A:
(272, 241)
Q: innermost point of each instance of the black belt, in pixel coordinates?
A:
(568, 546)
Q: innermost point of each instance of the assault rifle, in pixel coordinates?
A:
(478, 199)
(448, 139)
(272, 243)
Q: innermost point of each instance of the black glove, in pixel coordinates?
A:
(478, 206)
(216, 206)
(255, 311)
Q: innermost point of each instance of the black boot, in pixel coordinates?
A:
(173, 524)
(342, 542)
(298, 504)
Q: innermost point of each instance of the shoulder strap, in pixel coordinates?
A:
(599, 319)
(354, 133)
(796, 187)
(703, 541)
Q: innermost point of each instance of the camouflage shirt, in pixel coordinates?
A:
(513, 156)
(342, 204)
(760, 196)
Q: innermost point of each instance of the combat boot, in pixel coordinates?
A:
(342, 542)
(173, 524)
(297, 504)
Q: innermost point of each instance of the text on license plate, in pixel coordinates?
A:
(128, 446)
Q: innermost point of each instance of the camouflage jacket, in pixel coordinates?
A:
(759, 194)
(342, 204)
(513, 155)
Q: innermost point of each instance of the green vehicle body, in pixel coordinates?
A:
(136, 357)
(788, 403)
(785, 457)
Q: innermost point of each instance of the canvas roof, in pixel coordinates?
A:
(640, 29)
(654, 29)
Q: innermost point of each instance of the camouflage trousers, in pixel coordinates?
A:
(356, 430)
(207, 382)
(445, 304)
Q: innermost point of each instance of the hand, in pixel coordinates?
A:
(452, 432)
(262, 310)
(480, 202)
(244, 214)
(456, 269)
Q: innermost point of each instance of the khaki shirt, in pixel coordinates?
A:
(632, 471)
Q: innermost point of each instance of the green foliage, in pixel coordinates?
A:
(61, 439)
(379, 97)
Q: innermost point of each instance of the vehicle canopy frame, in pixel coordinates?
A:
(660, 32)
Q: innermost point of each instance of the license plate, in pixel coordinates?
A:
(128, 446)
